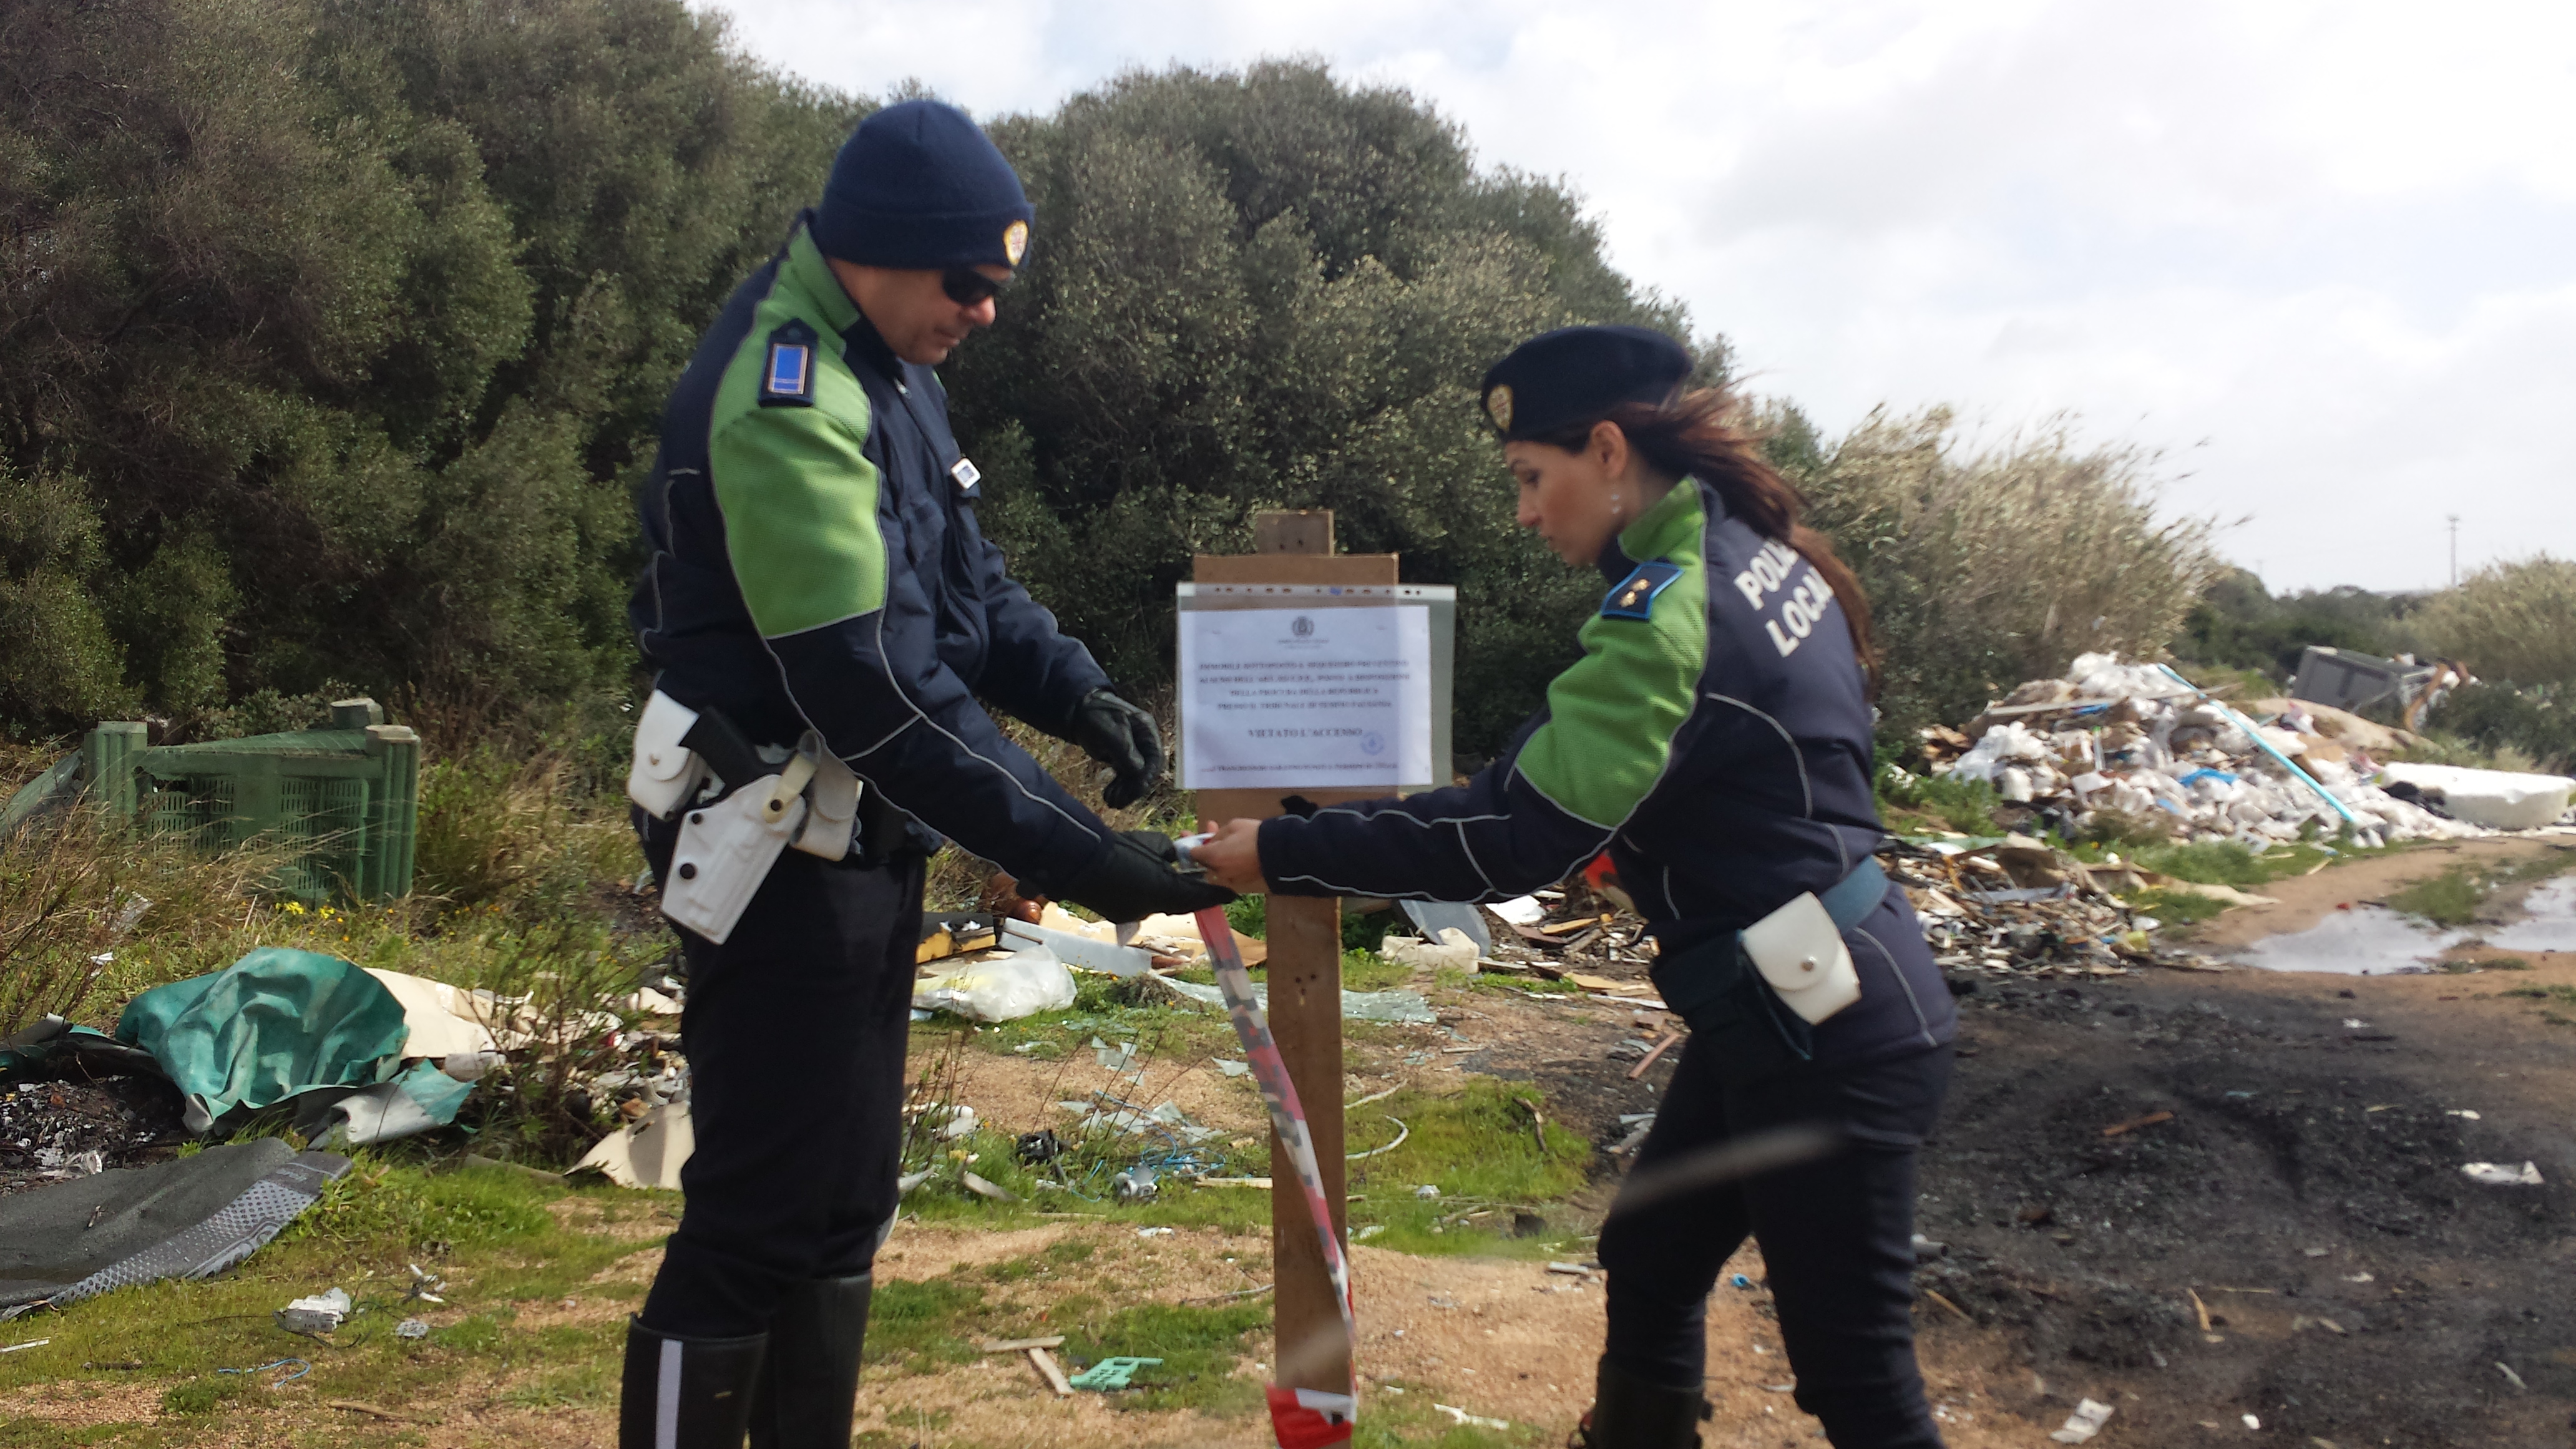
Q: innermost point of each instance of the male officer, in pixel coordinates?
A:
(816, 566)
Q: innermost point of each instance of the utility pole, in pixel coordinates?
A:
(2455, 550)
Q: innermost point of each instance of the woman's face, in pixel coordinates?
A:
(1577, 501)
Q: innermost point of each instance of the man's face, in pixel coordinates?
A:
(913, 312)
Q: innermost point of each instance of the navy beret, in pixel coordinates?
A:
(1575, 375)
(919, 186)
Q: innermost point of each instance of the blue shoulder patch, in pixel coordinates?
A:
(1634, 597)
(787, 368)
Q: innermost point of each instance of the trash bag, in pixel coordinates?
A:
(1020, 984)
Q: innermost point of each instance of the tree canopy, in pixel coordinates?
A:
(342, 331)
(333, 329)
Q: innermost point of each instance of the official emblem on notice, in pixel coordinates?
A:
(1015, 241)
(1498, 406)
(1304, 628)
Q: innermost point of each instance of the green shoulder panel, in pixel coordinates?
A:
(798, 495)
(1613, 715)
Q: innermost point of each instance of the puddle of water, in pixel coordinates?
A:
(2376, 941)
(2552, 927)
(2363, 941)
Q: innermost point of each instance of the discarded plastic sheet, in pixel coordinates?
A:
(1356, 1005)
(185, 1218)
(1473, 1421)
(1004, 987)
(2497, 1174)
(1519, 911)
(648, 1153)
(273, 1025)
(1232, 1068)
(438, 1019)
(320, 1313)
(1081, 953)
(2084, 1423)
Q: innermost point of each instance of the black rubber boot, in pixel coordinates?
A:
(686, 1393)
(810, 1383)
(1632, 1413)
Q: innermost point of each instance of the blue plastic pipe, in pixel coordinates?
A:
(2254, 733)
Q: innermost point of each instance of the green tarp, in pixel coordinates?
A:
(275, 1023)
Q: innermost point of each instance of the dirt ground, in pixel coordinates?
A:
(2295, 1241)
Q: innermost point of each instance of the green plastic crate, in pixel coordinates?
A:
(350, 794)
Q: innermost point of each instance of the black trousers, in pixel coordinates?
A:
(1837, 1238)
(795, 1033)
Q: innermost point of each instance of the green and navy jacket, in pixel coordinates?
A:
(816, 563)
(1715, 738)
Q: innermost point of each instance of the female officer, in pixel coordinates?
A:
(1715, 739)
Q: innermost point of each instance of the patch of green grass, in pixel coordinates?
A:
(2208, 862)
(1480, 1149)
(2448, 899)
(2453, 897)
(2562, 994)
(1198, 1348)
(2176, 908)
(1966, 806)
(917, 1327)
(1369, 971)
(1250, 915)
(1408, 1421)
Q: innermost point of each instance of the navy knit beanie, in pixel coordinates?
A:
(918, 186)
(1577, 375)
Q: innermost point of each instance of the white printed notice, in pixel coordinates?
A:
(1293, 698)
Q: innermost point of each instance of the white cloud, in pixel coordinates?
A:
(2323, 253)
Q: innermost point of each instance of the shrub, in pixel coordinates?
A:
(1989, 567)
(2511, 621)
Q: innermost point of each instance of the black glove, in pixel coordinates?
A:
(1138, 876)
(1123, 737)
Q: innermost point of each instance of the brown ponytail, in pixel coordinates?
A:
(1691, 436)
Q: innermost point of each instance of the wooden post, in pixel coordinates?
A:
(1305, 978)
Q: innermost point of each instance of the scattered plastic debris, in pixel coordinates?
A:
(300, 1366)
(1111, 1373)
(1455, 949)
(1153, 1232)
(2084, 1423)
(982, 1187)
(411, 1328)
(321, 1313)
(30, 1343)
(1136, 1184)
(1473, 1421)
(2496, 1174)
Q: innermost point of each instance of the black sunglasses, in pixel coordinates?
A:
(966, 286)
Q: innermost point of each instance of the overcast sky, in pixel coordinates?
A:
(2323, 255)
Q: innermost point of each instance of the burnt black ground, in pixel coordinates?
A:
(127, 1120)
(2302, 1154)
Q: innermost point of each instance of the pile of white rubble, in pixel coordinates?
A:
(2137, 738)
